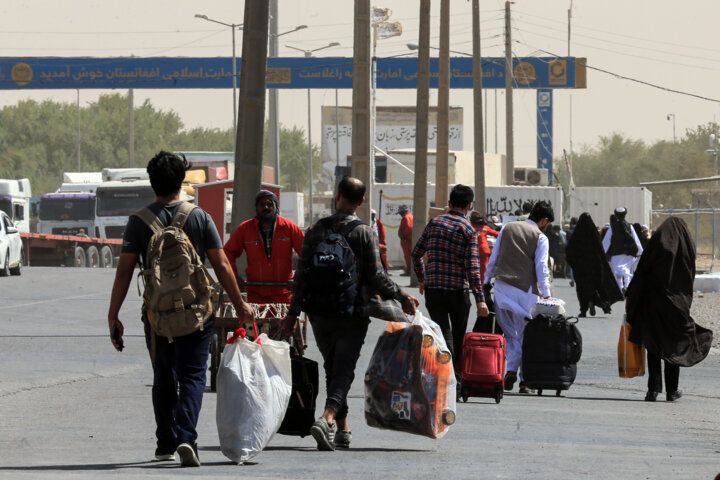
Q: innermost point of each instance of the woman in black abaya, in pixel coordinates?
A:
(594, 280)
(658, 308)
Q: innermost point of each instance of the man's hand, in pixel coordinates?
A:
(288, 324)
(409, 304)
(116, 323)
(482, 309)
(421, 287)
(245, 312)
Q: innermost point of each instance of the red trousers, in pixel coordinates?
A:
(407, 248)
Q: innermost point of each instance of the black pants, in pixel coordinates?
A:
(339, 341)
(672, 374)
(450, 310)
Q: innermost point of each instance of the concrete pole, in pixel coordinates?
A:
(251, 115)
(310, 165)
(478, 124)
(273, 127)
(234, 74)
(420, 201)
(443, 114)
(78, 130)
(361, 122)
(509, 147)
(337, 132)
(131, 128)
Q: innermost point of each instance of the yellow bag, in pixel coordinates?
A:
(631, 356)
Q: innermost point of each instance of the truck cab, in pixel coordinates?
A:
(67, 213)
(116, 201)
(15, 202)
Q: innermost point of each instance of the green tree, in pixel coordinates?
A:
(294, 165)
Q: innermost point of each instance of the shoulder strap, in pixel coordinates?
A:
(182, 214)
(350, 226)
(150, 219)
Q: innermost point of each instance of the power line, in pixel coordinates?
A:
(642, 82)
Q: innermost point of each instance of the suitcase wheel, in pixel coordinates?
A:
(557, 393)
(539, 392)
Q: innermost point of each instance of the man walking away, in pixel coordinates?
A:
(269, 241)
(405, 234)
(179, 366)
(340, 335)
(519, 264)
(451, 245)
(622, 245)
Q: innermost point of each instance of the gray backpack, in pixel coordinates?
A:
(178, 287)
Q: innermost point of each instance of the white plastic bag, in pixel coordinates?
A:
(410, 384)
(254, 383)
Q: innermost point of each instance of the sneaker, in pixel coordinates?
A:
(343, 439)
(525, 389)
(510, 379)
(188, 455)
(323, 434)
(163, 455)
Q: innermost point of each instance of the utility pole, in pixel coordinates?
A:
(478, 113)
(420, 203)
(509, 147)
(443, 114)
(78, 130)
(571, 105)
(361, 121)
(131, 128)
(273, 127)
(251, 111)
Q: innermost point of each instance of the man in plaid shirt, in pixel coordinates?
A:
(453, 269)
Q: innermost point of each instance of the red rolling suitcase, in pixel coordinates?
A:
(483, 366)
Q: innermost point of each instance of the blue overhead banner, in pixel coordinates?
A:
(545, 131)
(284, 72)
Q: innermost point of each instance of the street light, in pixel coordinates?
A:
(232, 26)
(415, 46)
(308, 54)
(673, 120)
(273, 127)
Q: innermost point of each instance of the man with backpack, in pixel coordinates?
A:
(172, 239)
(339, 267)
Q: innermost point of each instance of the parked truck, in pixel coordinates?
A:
(15, 201)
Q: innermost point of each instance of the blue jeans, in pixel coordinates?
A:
(179, 373)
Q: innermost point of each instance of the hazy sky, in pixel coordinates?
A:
(667, 43)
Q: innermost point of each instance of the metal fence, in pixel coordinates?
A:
(704, 227)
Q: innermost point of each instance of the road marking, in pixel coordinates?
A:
(51, 300)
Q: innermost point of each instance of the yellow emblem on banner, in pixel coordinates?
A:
(524, 73)
(21, 73)
(278, 75)
(557, 72)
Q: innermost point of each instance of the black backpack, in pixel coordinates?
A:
(331, 275)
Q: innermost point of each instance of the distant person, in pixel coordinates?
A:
(622, 245)
(595, 281)
(641, 234)
(268, 241)
(556, 249)
(180, 365)
(481, 227)
(405, 234)
(519, 264)
(658, 308)
(453, 269)
(524, 214)
(340, 336)
(378, 228)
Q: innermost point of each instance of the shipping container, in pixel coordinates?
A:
(601, 202)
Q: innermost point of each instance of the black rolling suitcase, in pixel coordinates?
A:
(552, 346)
(300, 413)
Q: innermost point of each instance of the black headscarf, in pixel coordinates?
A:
(641, 236)
(660, 295)
(585, 254)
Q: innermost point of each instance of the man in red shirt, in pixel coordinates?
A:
(269, 241)
(478, 223)
(405, 234)
(378, 228)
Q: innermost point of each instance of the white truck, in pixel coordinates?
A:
(601, 202)
(15, 201)
(502, 201)
(116, 201)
